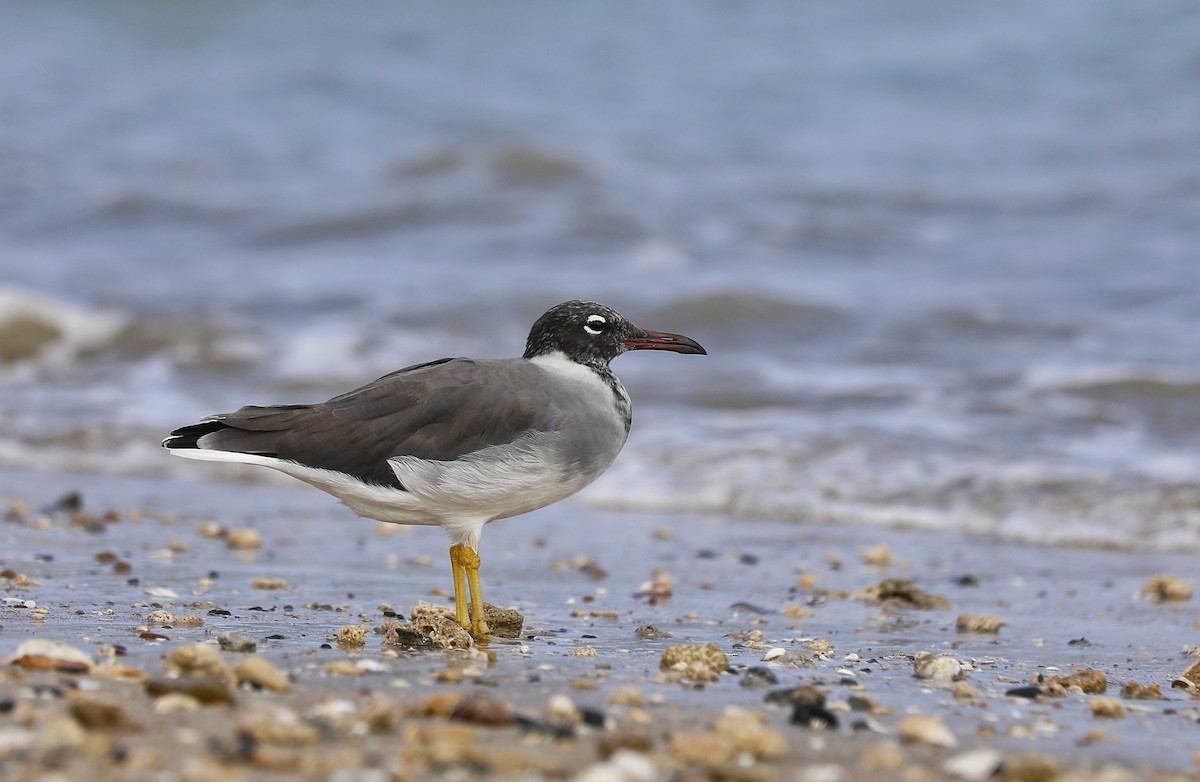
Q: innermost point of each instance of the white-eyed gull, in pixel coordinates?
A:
(456, 442)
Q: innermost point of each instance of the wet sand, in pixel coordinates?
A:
(581, 693)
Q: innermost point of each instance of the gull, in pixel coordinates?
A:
(457, 442)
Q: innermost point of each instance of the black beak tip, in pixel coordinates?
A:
(661, 340)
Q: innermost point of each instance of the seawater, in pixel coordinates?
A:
(943, 255)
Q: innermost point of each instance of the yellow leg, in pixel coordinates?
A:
(479, 628)
(457, 566)
(464, 563)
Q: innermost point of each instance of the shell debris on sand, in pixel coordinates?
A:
(1167, 588)
(696, 662)
(429, 626)
(1189, 680)
(903, 593)
(1141, 692)
(1086, 680)
(352, 636)
(982, 624)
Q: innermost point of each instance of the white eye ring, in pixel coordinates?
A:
(599, 323)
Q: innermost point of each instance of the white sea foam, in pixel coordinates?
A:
(37, 331)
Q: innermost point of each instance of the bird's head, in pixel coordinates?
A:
(591, 333)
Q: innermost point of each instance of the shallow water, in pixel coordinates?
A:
(943, 259)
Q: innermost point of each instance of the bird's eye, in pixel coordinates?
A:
(595, 324)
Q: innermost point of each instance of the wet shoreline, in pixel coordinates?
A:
(789, 606)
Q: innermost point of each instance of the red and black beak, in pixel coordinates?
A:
(661, 340)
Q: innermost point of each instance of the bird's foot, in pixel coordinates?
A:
(465, 563)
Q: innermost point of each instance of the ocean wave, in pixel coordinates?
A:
(36, 331)
(751, 468)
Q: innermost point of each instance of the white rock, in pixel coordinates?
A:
(561, 709)
(926, 729)
(974, 765)
(624, 766)
(774, 653)
(822, 772)
(54, 650)
(937, 669)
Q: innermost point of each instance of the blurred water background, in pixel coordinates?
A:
(944, 255)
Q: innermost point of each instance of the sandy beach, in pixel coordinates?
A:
(818, 679)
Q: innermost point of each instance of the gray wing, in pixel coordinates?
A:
(440, 410)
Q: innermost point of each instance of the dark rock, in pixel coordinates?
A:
(811, 715)
(1031, 692)
(758, 676)
(230, 641)
(208, 690)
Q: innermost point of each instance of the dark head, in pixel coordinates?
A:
(592, 333)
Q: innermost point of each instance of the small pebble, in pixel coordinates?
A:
(342, 668)
(230, 641)
(975, 765)
(160, 618)
(878, 556)
(482, 710)
(625, 695)
(561, 710)
(1107, 708)
(625, 765)
(277, 725)
(205, 690)
(808, 706)
(965, 692)
(175, 703)
(196, 660)
(983, 624)
(758, 676)
(926, 729)
(93, 714)
(261, 673)
(211, 530)
(244, 539)
(1029, 692)
(748, 733)
(46, 655)
(937, 669)
(268, 583)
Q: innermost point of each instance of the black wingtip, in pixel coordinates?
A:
(189, 436)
